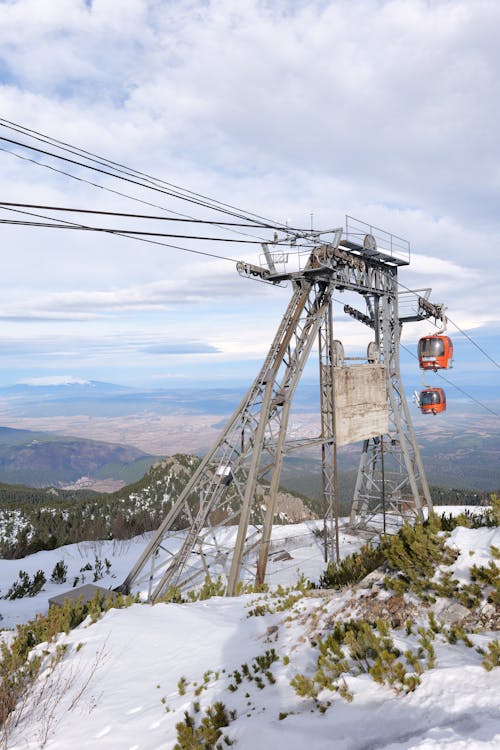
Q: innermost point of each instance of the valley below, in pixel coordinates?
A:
(460, 449)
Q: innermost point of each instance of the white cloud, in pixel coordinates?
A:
(386, 110)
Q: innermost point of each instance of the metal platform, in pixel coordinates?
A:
(377, 255)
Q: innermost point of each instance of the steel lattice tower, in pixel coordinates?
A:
(238, 480)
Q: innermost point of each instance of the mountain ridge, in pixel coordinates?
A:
(41, 459)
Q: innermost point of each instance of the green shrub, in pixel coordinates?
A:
(26, 586)
(352, 569)
(494, 512)
(467, 518)
(59, 572)
(456, 633)
(356, 647)
(210, 588)
(173, 594)
(207, 734)
(17, 671)
(260, 664)
(492, 655)
(414, 553)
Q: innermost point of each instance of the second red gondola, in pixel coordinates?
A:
(432, 401)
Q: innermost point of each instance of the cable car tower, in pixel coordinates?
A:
(221, 523)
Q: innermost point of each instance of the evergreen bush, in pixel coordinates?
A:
(59, 572)
(352, 568)
(353, 648)
(17, 670)
(208, 735)
(26, 586)
(492, 655)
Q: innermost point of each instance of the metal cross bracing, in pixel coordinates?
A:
(221, 523)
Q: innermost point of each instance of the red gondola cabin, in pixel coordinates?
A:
(435, 352)
(432, 401)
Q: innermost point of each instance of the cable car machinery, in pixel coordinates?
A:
(238, 480)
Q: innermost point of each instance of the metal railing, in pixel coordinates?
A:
(387, 243)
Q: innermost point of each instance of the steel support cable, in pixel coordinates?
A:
(50, 224)
(99, 170)
(131, 232)
(475, 343)
(116, 192)
(172, 193)
(213, 203)
(36, 135)
(72, 225)
(127, 215)
(89, 156)
(450, 382)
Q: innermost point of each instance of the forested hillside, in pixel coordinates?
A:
(28, 526)
(33, 520)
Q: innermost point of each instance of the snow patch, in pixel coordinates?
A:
(55, 380)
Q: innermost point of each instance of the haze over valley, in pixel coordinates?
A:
(460, 449)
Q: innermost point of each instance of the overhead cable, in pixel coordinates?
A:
(474, 342)
(36, 135)
(132, 237)
(136, 178)
(113, 191)
(130, 215)
(131, 232)
(99, 170)
(50, 223)
(450, 382)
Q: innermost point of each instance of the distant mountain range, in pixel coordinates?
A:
(41, 459)
(62, 386)
(96, 398)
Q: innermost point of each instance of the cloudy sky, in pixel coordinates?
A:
(297, 111)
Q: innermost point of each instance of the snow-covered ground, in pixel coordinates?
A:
(124, 682)
(298, 541)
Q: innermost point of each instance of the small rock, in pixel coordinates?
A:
(373, 580)
(489, 617)
(451, 613)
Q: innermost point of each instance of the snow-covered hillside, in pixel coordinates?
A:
(295, 550)
(127, 680)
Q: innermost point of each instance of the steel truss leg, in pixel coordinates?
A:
(225, 488)
(328, 446)
(391, 482)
